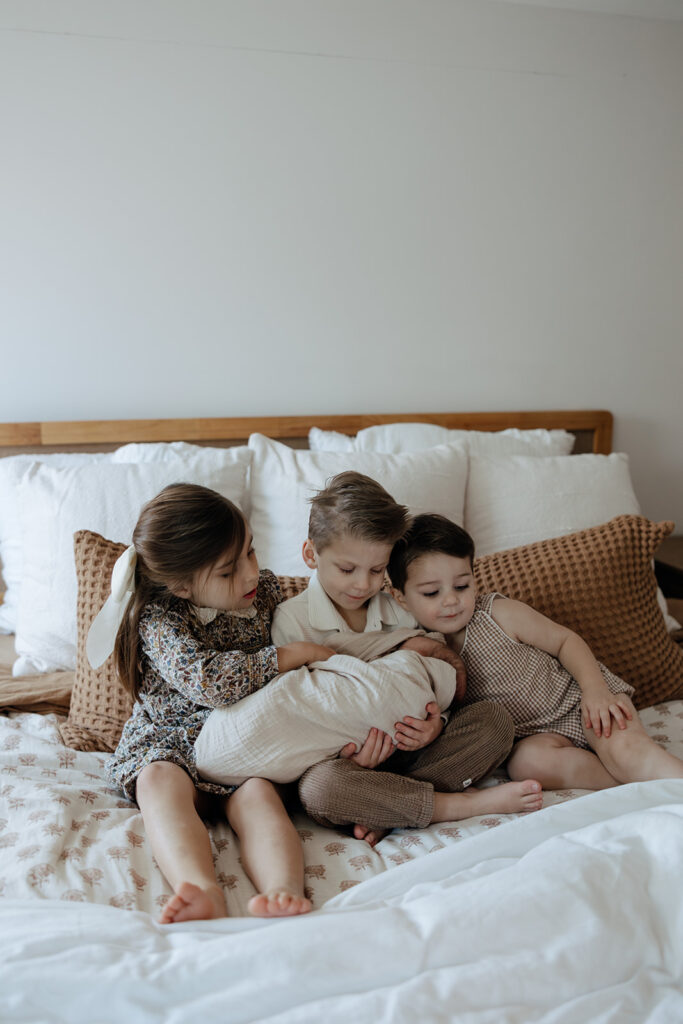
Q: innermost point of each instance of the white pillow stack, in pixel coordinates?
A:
(507, 488)
(284, 479)
(414, 437)
(12, 469)
(513, 497)
(105, 497)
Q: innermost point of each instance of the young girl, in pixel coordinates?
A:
(189, 622)
(563, 702)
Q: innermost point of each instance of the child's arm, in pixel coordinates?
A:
(215, 678)
(300, 653)
(598, 704)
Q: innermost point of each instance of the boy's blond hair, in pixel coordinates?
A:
(354, 504)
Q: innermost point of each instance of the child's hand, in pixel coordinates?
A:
(300, 653)
(600, 706)
(378, 747)
(430, 648)
(415, 733)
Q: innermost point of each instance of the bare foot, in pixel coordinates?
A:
(278, 903)
(190, 903)
(507, 798)
(371, 835)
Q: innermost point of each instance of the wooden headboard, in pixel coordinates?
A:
(592, 428)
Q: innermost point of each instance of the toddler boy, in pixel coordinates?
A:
(354, 524)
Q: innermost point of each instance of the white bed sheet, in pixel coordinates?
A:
(571, 914)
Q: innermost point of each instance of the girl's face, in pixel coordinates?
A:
(224, 585)
(440, 592)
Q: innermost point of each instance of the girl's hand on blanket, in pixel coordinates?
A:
(378, 747)
(429, 648)
(415, 733)
(600, 706)
(300, 653)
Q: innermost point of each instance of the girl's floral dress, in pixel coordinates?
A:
(193, 660)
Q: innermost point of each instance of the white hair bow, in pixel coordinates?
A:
(105, 625)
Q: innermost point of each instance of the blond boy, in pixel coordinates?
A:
(354, 524)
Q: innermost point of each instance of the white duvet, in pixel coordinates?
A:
(570, 915)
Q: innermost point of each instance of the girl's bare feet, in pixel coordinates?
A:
(371, 835)
(190, 903)
(278, 903)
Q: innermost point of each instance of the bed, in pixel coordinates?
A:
(569, 914)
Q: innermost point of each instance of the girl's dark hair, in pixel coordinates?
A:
(183, 530)
(428, 534)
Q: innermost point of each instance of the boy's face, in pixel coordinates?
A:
(440, 592)
(350, 570)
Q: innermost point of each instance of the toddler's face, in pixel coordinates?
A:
(350, 570)
(440, 592)
(225, 585)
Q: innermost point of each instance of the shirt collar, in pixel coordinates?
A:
(323, 615)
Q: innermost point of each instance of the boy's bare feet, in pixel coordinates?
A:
(371, 835)
(190, 903)
(507, 798)
(278, 903)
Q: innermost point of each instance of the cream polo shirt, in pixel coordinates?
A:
(312, 616)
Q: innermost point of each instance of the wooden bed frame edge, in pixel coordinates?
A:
(37, 435)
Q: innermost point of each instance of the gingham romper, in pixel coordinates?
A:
(532, 685)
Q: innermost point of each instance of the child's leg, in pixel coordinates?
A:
(271, 849)
(630, 755)
(475, 741)
(557, 763)
(180, 843)
(339, 792)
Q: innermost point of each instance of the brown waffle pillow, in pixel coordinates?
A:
(600, 583)
(100, 705)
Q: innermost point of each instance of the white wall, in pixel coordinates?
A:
(226, 207)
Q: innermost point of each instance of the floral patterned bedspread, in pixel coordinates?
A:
(65, 834)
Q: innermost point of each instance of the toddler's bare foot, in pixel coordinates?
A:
(190, 903)
(278, 903)
(371, 835)
(508, 798)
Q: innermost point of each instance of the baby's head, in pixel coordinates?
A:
(353, 526)
(431, 569)
(194, 543)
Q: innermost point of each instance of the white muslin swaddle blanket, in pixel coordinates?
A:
(308, 714)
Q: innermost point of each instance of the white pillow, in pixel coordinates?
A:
(307, 715)
(203, 457)
(413, 437)
(12, 469)
(284, 479)
(519, 499)
(103, 497)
